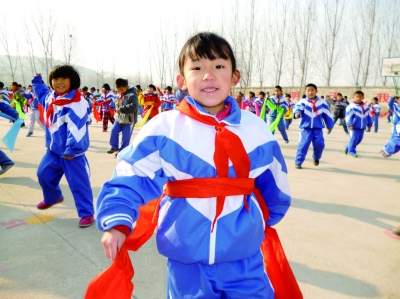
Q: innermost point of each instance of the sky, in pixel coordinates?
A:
(115, 32)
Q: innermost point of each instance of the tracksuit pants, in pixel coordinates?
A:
(393, 146)
(126, 130)
(375, 121)
(77, 172)
(308, 136)
(342, 123)
(356, 136)
(234, 280)
(33, 117)
(288, 122)
(281, 127)
(4, 159)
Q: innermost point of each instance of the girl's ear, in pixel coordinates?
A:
(181, 82)
(235, 78)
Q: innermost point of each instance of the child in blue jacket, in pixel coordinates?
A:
(393, 146)
(313, 112)
(357, 120)
(66, 117)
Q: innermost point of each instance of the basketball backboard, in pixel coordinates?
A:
(390, 67)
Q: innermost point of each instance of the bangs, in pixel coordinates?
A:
(206, 45)
(65, 71)
(61, 71)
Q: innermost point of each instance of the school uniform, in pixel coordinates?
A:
(357, 115)
(393, 146)
(107, 108)
(375, 111)
(281, 102)
(199, 244)
(66, 119)
(313, 113)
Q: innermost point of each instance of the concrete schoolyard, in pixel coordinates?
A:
(335, 235)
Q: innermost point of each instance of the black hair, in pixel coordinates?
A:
(303, 96)
(169, 88)
(288, 95)
(85, 88)
(65, 71)
(375, 98)
(359, 92)
(206, 45)
(121, 82)
(345, 97)
(322, 97)
(339, 94)
(106, 86)
(14, 84)
(278, 87)
(152, 86)
(1, 85)
(311, 85)
(20, 85)
(252, 93)
(138, 87)
(262, 93)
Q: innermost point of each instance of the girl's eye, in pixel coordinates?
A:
(197, 68)
(220, 67)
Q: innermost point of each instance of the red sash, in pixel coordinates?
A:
(59, 101)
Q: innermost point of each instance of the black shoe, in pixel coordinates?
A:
(316, 162)
(112, 150)
(329, 131)
(297, 166)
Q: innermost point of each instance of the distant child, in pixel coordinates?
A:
(393, 146)
(240, 98)
(34, 117)
(279, 101)
(259, 102)
(107, 105)
(168, 99)
(357, 120)
(140, 99)
(288, 116)
(151, 103)
(66, 115)
(248, 104)
(340, 110)
(313, 112)
(212, 241)
(89, 98)
(375, 111)
(125, 115)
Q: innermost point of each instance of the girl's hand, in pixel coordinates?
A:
(112, 241)
(66, 157)
(297, 115)
(351, 128)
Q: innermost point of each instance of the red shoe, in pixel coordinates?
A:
(86, 221)
(43, 206)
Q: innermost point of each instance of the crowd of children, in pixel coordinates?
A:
(167, 151)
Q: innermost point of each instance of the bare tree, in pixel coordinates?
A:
(11, 67)
(330, 27)
(247, 47)
(261, 55)
(29, 47)
(69, 45)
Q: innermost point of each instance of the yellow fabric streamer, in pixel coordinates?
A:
(145, 118)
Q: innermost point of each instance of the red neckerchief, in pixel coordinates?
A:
(314, 106)
(61, 100)
(360, 105)
(227, 146)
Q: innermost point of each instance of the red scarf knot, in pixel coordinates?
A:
(60, 100)
(314, 106)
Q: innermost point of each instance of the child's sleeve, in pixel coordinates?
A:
(349, 116)
(157, 102)
(40, 89)
(391, 103)
(369, 120)
(273, 184)
(299, 108)
(327, 116)
(131, 106)
(137, 179)
(77, 133)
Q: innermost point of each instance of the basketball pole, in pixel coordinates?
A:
(395, 81)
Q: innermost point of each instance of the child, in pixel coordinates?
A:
(259, 102)
(393, 146)
(151, 104)
(107, 104)
(313, 112)
(126, 115)
(248, 103)
(89, 98)
(34, 117)
(279, 101)
(339, 111)
(288, 116)
(140, 99)
(240, 98)
(167, 99)
(65, 114)
(357, 119)
(375, 111)
(213, 249)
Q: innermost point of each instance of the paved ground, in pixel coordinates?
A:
(334, 233)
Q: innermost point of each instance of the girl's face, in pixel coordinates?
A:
(61, 85)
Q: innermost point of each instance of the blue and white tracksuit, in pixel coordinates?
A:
(279, 101)
(393, 146)
(357, 115)
(68, 135)
(168, 148)
(7, 109)
(376, 108)
(311, 125)
(167, 105)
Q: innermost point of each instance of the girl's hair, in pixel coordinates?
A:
(252, 94)
(376, 99)
(65, 71)
(206, 45)
(262, 93)
(106, 86)
(288, 95)
(278, 87)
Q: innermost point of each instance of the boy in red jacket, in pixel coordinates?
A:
(151, 103)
